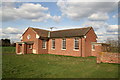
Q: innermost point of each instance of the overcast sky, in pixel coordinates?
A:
(18, 16)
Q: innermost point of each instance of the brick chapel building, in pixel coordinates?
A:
(70, 42)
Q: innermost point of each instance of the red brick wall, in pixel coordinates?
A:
(98, 49)
(69, 47)
(83, 46)
(24, 47)
(90, 37)
(28, 49)
(40, 49)
(30, 32)
(94, 53)
(37, 42)
(107, 57)
(17, 48)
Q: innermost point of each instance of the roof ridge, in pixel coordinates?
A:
(39, 29)
(59, 30)
(71, 29)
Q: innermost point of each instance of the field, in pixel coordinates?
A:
(53, 66)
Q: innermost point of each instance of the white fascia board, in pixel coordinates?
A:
(37, 36)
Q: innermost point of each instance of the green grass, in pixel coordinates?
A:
(53, 66)
(8, 50)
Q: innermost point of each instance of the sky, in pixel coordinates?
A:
(18, 16)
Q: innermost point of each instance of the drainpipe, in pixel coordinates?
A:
(81, 47)
(49, 34)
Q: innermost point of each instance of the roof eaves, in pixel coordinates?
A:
(68, 36)
(93, 30)
(41, 29)
(88, 30)
(26, 30)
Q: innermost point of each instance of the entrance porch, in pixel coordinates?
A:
(24, 47)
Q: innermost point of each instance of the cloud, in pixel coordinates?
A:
(11, 30)
(112, 32)
(79, 10)
(56, 18)
(112, 37)
(100, 33)
(11, 33)
(8, 0)
(2, 35)
(112, 28)
(116, 15)
(15, 37)
(109, 31)
(101, 36)
(28, 11)
(99, 17)
(95, 24)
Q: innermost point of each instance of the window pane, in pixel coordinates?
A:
(43, 43)
(76, 43)
(93, 47)
(64, 44)
(53, 43)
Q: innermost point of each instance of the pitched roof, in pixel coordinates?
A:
(41, 32)
(78, 32)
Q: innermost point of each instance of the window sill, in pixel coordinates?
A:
(76, 49)
(43, 48)
(53, 49)
(30, 48)
(93, 49)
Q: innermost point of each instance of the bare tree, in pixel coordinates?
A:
(114, 45)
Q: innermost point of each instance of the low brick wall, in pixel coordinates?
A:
(107, 57)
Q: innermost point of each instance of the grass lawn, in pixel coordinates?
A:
(54, 66)
(6, 50)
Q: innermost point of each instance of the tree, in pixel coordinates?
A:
(5, 42)
(13, 44)
(114, 45)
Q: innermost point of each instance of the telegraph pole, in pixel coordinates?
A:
(51, 28)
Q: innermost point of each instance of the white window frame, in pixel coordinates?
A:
(37, 36)
(93, 47)
(44, 43)
(52, 44)
(63, 44)
(75, 45)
